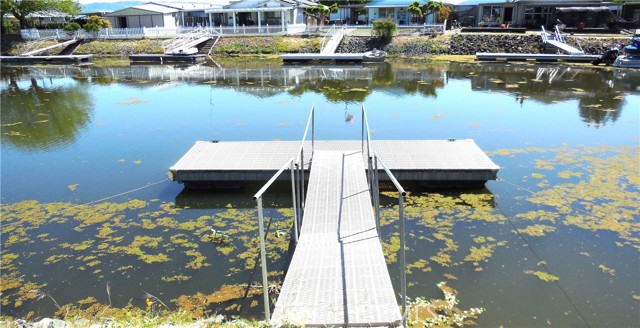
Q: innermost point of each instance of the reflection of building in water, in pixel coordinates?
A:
(600, 93)
(338, 83)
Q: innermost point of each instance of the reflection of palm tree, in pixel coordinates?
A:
(43, 118)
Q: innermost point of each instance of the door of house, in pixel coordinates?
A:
(507, 17)
(122, 22)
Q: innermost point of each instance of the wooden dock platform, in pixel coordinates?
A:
(338, 275)
(167, 58)
(446, 162)
(53, 59)
(494, 56)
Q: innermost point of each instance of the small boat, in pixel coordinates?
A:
(185, 51)
(627, 57)
(374, 55)
(630, 55)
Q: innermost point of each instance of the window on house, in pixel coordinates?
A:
(492, 15)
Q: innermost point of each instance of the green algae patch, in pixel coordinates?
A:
(536, 230)
(606, 269)
(544, 276)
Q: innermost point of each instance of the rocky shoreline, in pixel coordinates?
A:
(469, 44)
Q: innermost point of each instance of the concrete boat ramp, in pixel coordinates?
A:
(440, 162)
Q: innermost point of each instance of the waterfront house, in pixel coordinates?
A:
(589, 14)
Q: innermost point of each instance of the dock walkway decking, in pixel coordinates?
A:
(338, 275)
(410, 160)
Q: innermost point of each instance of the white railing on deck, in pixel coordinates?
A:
(150, 32)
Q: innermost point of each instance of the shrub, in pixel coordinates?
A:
(73, 26)
(384, 28)
(100, 21)
(91, 27)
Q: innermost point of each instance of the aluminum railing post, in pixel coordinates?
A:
(313, 129)
(377, 192)
(297, 174)
(302, 180)
(403, 264)
(362, 133)
(295, 207)
(263, 260)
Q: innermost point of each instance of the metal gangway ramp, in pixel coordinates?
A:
(556, 41)
(338, 275)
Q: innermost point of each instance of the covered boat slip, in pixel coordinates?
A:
(456, 162)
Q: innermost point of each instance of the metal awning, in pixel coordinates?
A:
(246, 10)
(577, 9)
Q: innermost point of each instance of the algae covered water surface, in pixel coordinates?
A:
(90, 220)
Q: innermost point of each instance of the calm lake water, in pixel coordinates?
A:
(86, 204)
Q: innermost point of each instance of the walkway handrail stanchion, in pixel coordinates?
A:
(300, 156)
(295, 206)
(263, 252)
(313, 130)
(263, 261)
(403, 264)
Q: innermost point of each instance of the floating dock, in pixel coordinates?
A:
(435, 162)
(53, 59)
(338, 276)
(494, 56)
(350, 57)
(166, 58)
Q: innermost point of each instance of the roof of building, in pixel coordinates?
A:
(147, 7)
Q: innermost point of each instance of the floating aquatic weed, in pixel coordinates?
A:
(544, 276)
(536, 230)
(421, 264)
(441, 312)
(175, 278)
(606, 269)
(132, 100)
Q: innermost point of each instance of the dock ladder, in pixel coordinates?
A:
(336, 230)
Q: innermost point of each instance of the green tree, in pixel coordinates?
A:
(20, 9)
(431, 7)
(320, 12)
(415, 9)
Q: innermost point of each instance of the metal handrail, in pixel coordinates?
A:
(299, 161)
(372, 164)
(263, 253)
(543, 35)
(324, 38)
(403, 271)
(559, 35)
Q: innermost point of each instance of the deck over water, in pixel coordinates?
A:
(410, 160)
(338, 274)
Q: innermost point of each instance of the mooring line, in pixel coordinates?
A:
(533, 251)
(566, 196)
(95, 201)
